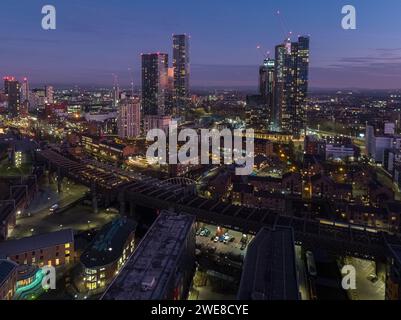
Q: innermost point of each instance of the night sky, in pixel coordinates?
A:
(95, 38)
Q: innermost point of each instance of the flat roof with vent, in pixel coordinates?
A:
(146, 274)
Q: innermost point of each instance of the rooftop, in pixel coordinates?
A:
(269, 270)
(12, 247)
(6, 267)
(147, 272)
(109, 243)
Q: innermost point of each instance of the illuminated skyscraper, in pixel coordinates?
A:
(170, 105)
(116, 92)
(25, 97)
(181, 69)
(302, 81)
(291, 85)
(154, 83)
(25, 90)
(266, 84)
(6, 83)
(12, 89)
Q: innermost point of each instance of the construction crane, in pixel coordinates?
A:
(286, 31)
(264, 54)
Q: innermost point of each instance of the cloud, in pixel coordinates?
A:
(25, 40)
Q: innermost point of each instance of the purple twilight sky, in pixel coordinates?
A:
(96, 38)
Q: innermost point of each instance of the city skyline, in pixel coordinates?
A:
(223, 50)
(200, 152)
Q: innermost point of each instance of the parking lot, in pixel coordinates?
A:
(220, 240)
(369, 284)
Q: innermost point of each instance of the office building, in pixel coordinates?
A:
(291, 85)
(108, 252)
(269, 270)
(8, 279)
(377, 143)
(341, 152)
(392, 159)
(37, 99)
(129, 119)
(389, 128)
(163, 264)
(181, 64)
(154, 83)
(53, 249)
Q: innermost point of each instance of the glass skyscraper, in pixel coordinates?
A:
(12, 89)
(291, 85)
(154, 83)
(266, 85)
(181, 69)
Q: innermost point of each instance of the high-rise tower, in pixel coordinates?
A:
(266, 85)
(129, 118)
(291, 85)
(181, 64)
(12, 89)
(154, 83)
